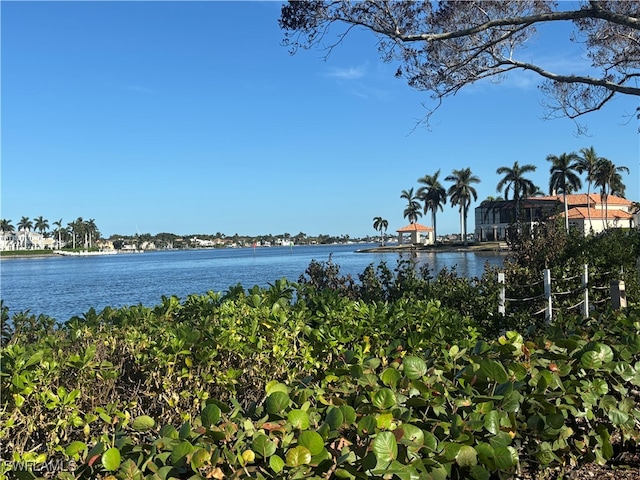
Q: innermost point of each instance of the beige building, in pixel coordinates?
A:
(418, 234)
(588, 213)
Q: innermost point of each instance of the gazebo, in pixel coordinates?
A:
(418, 234)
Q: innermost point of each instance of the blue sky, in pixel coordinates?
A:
(191, 117)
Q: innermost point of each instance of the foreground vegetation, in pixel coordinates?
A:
(395, 375)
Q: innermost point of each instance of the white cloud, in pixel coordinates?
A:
(349, 73)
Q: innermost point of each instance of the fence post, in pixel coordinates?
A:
(618, 295)
(547, 294)
(585, 291)
(502, 296)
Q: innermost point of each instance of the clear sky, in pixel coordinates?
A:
(191, 117)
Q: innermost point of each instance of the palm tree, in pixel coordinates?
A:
(41, 224)
(608, 177)
(588, 163)
(58, 230)
(461, 193)
(6, 226)
(380, 224)
(563, 178)
(92, 230)
(434, 196)
(412, 211)
(514, 181)
(25, 224)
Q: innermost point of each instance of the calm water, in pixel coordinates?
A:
(62, 287)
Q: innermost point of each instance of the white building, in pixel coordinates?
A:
(588, 213)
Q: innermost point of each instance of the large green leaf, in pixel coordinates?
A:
(297, 456)
(277, 401)
(467, 456)
(263, 446)
(334, 417)
(493, 370)
(298, 419)
(312, 441)
(385, 447)
(111, 459)
(597, 356)
(390, 377)
(143, 423)
(383, 399)
(277, 464)
(414, 367)
(492, 422)
(210, 415)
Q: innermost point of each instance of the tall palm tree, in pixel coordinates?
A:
(41, 224)
(515, 182)
(25, 224)
(381, 225)
(434, 196)
(564, 178)
(461, 193)
(412, 211)
(588, 164)
(608, 177)
(92, 230)
(58, 230)
(6, 226)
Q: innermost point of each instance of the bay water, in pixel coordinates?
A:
(62, 286)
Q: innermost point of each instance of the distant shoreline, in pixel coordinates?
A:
(477, 247)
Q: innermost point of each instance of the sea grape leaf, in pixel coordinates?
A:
(277, 401)
(312, 441)
(143, 423)
(385, 447)
(467, 456)
(414, 367)
(493, 370)
(263, 446)
(383, 399)
(298, 419)
(111, 459)
(297, 456)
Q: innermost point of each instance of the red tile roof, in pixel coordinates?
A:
(581, 199)
(414, 227)
(597, 214)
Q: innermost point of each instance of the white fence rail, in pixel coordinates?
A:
(616, 289)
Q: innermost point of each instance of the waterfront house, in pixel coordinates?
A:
(588, 213)
(418, 234)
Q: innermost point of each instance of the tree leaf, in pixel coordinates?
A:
(277, 401)
(414, 367)
(276, 463)
(298, 419)
(493, 370)
(298, 456)
(111, 459)
(385, 447)
(312, 441)
(383, 399)
(263, 446)
(210, 415)
(143, 423)
(467, 456)
(390, 377)
(492, 422)
(334, 417)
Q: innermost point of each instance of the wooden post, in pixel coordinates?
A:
(618, 295)
(585, 291)
(502, 296)
(547, 294)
